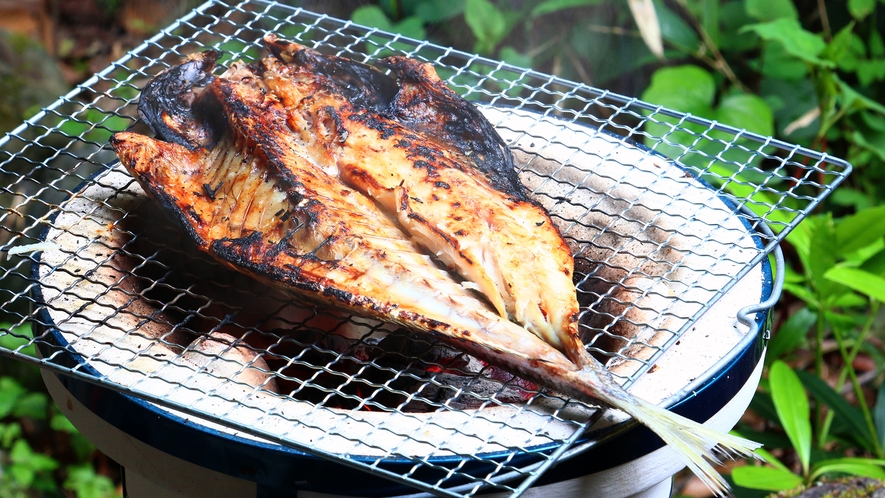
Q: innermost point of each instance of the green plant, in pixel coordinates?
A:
(33, 463)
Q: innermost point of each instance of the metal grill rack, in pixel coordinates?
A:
(95, 281)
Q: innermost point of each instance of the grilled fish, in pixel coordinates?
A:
(330, 179)
(442, 171)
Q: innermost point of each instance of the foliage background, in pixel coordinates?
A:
(804, 71)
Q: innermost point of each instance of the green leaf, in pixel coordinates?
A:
(839, 46)
(674, 29)
(826, 395)
(877, 45)
(434, 11)
(765, 478)
(861, 281)
(372, 16)
(798, 42)
(804, 293)
(748, 112)
(9, 433)
(780, 64)
(859, 9)
(822, 255)
(860, 230)
(771, 459)
(875, 264)
(870, 71)
(59, 422)
(32, 405)
(771, 10)
(853, 466)
(849, 197)
(870, 140)
(856, 101)
(509, 55)
(551, 6)
(792, 407)
(27, 463)
(792, 335)
(689, 89)
(488, 24)
(86, 483)
(10, 393)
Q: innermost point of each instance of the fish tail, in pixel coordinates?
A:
(696, 444)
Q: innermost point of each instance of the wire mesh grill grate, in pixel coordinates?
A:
(118, 299)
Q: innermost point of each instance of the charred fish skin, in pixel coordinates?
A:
(418, 99)
(167, 103)
(264, 171)
(427, 104)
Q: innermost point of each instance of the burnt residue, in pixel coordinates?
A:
(173, 109)
(362, 85)
(424, 103)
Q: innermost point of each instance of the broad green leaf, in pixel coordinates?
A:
(748, 112)
(372, 16)
(86, 483)
(675, 30)
(770, 10)
(848, 300)
(825, 394)
(792, 407)
(732, 16)
(804, 293)
(855, 100)
(850, 197)
(870, 71)
(778, 63)
(487, 23)
(800, 238)
(853, 466)
(32, 405)
(859, 9)
(10, 394)
(709, 16)
(509, 55)
(439, 10)
(765, 478)
(791, 335)
(771, 459)
(875, 264)
(860, 229)
(823, 251)
(411, 27)
(877, 45)
(689, 89)
(861, 281)
(798, 42)
(551, 6)
(840, 44)
(28, 462)
(871, 140)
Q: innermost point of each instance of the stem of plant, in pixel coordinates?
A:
(848, 357)
(822, 424)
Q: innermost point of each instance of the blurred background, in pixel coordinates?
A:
(807, 72)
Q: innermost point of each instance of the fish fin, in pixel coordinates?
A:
(696, 444)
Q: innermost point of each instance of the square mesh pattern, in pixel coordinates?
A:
(665, 213)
